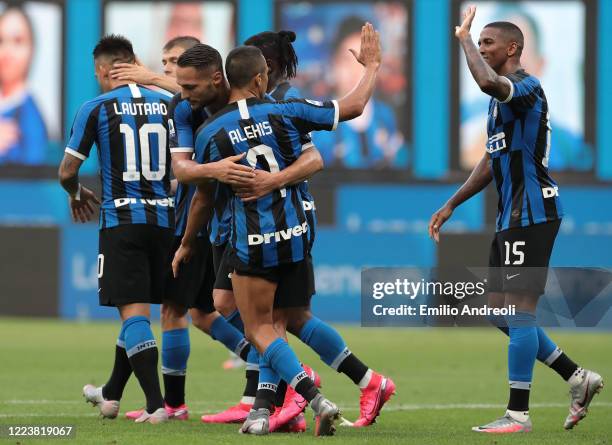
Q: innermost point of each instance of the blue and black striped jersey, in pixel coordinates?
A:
(129, 125)
(183, 121)
(286, 91)
(272, 230)
(519, 146)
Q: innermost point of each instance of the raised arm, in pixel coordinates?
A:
(138, 73)
(353, 104)
(488, 80)
(479, 178)
(81, 199)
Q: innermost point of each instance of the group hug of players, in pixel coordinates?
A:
(232, 249)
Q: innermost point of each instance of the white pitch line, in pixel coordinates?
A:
(448, 406)
(30, 415)
(344, 406)
(40, 402)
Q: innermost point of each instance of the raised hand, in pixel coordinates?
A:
(463, 31)
(370, 52)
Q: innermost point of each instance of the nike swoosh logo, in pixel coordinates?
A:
(509, 277)
(99, 290)
(301, 403)
(586, 394)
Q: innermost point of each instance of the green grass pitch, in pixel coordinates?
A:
(447, 381)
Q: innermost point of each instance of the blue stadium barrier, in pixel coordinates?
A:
(32, 203)
(402, 209)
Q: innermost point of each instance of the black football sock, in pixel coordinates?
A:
(122, 370)
(265, 399)
(564, 366)
(307, 389)
(174, 387)
(144, 365)
(141, 349)
(519, 400)
(354, 368)
(252, 380)
(281, 390)
(244, 352)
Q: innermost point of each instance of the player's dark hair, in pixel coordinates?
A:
(512, 32)
(277, 46)
(514, 10)
(201, 56)
(116, 47)
(242, 64)
(185, 42)
(349, 26)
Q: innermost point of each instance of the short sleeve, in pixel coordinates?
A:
(84, 131)
(181, 129)
(311, 115)
(524, 91)
(306, 141)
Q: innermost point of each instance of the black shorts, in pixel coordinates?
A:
(519, 258)
(295, 280)
(133, 264)
(223, 269)
(193, 286)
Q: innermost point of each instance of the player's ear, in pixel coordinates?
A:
(512, 50)
(217, 78)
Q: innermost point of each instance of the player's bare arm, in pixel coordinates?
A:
(173, 186)
(479, 178)
(137, 73)
(309, 163)
(353, 104)
(200, 211)
(81, 199)
(487, 79)
(228, 170)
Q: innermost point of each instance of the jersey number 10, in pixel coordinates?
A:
(132, 173)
